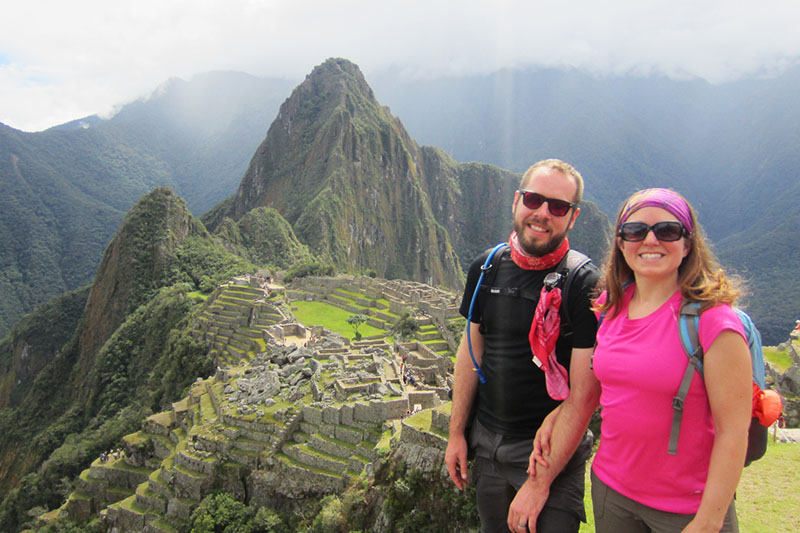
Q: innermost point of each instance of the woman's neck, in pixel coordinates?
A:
(650, 294)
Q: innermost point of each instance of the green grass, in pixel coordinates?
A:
(330, 317)
(780, 358)
(767, 498)
(352, 294)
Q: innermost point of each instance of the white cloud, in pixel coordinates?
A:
(63, 60)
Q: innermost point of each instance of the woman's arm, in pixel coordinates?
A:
(728, 380)
(568, 429)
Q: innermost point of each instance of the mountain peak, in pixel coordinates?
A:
(338, 73)
(134, 262)
(350, 180)
(337, 85)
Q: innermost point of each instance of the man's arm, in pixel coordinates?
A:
(465, 386)
(570, 425)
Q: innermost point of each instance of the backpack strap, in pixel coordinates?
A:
(568, 268)
(690, 339)
(487, 266)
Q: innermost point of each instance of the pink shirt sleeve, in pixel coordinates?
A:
(714, 321)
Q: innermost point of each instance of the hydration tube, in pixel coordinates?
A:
(486, 266)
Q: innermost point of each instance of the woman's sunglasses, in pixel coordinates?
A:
(664, 231)
(534, 200)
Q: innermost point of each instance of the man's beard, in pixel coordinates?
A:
(534, 249)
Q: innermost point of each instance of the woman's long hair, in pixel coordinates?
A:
(700, 277)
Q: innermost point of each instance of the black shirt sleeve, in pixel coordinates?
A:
(582, 318)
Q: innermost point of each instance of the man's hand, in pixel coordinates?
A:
(456, 459)
(527, 504)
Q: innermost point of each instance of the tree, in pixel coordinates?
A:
(356, 321)
(406, 326)
(219, 511)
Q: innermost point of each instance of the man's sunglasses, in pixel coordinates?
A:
(664, 231)
(534, 200)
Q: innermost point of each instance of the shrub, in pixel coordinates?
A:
(306, 268)
(405, 326)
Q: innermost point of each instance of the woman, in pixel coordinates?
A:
(660, 260)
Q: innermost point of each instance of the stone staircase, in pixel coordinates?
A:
(331, 442)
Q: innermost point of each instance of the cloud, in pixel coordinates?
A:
(62, 60)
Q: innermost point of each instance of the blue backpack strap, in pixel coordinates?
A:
(687, 325)
(486, 266)
(755, 347)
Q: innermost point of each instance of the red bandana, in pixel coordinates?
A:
(524, 260)
(546, 321)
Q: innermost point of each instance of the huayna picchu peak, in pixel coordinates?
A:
(349, 179)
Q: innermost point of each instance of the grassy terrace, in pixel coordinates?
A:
(131, 504)
(384, 303)
(289, 460)
(238, 294)
(352, 294)
(330, 317)
(780, 358)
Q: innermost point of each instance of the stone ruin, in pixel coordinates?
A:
(291, 413)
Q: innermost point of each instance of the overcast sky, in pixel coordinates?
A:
(61, 60)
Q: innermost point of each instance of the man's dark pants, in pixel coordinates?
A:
(500, 469)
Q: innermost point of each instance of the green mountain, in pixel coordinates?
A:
(264, 237)
(347, 177)
(85, 368)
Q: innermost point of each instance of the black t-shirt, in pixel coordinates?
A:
(514, 399)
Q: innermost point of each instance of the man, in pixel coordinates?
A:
(517, 395)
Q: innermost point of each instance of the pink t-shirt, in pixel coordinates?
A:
(640, 364)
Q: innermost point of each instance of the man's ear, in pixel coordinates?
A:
(514, 205)
(574, 218)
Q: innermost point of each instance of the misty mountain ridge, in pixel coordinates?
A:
(66, 190)
(712, 143)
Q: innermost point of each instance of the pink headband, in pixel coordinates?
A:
(665, 199)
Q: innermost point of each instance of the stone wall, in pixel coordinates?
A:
(377, 411)
(791, 412)
(425, 399)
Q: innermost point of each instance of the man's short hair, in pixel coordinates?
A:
(561, 166)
